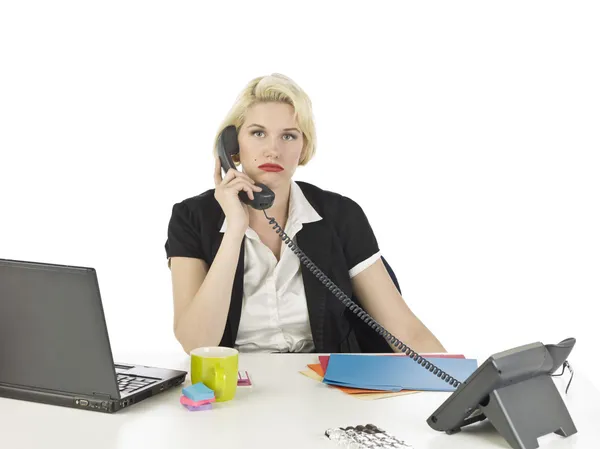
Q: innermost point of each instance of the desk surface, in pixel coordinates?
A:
(284, 409)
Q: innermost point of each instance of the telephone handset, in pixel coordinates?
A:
(227, 145)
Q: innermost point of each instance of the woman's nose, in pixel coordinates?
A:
(272, 147)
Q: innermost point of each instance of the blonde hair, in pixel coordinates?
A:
(275, 88)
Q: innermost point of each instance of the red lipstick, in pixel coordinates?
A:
(271, 167)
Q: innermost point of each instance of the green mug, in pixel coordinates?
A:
(217, 368)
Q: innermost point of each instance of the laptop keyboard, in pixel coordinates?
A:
(129, 384)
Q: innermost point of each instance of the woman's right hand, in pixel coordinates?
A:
(226, 193)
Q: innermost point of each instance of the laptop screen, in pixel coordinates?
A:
(52, 330)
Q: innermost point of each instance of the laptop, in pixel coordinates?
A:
(54, 343)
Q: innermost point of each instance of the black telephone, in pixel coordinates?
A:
(466, 404)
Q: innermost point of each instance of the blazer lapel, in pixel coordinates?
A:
(237, 294)
(314, 239)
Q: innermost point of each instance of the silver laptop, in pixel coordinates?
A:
(54, 344)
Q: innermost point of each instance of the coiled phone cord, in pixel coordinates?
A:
(357, 310)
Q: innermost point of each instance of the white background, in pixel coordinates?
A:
(468, 132)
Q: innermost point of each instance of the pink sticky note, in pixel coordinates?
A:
(244, 379)
(188, 402)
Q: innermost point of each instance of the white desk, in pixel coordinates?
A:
(284, 409)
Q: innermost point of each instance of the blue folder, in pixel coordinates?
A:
(394, 373)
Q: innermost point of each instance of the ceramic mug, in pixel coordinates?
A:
(217, 368)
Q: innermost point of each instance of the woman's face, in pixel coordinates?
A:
(270, 143)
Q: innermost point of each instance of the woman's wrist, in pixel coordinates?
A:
(234, 234)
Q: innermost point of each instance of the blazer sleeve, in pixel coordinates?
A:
(358, 239)
(183, 234)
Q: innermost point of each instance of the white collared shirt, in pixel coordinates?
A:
(274, 315)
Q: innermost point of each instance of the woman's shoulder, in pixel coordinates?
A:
(199, 201)
(193, 220)
(329, 203)
(347, 220)
(201, 207)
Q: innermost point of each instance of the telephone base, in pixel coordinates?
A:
(478, 416)
(524, 411)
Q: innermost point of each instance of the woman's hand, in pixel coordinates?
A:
(226, 193)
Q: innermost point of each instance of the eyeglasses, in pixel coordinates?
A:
(565, 365)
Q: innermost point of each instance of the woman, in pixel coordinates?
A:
(236, 284)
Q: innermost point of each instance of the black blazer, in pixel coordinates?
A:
(335, 244)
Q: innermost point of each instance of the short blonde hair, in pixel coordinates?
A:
(275, 88)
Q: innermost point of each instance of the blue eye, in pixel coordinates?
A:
(256, 132)
(292, 136)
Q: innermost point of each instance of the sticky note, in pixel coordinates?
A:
(198, 392)
(199, 407)
(244, 379)
(187, 401)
